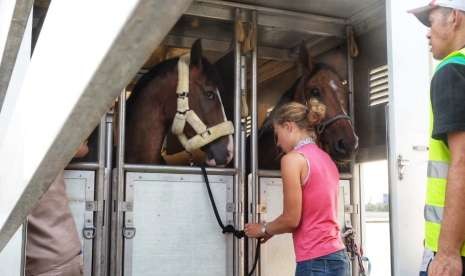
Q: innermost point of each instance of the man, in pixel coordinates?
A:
(445, 199)
(53, 247)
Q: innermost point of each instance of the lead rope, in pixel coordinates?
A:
(239, 234)
(352, 248)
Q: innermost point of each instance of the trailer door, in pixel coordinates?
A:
(409, 69)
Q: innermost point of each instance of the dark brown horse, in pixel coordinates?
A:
(335, 134)
(152, 106)
(318, 82)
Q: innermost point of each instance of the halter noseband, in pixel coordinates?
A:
(185, 114)
(321, 127)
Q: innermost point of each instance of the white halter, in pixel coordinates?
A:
(184, 114)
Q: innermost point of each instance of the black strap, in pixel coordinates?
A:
(225, 229)
(229, 228)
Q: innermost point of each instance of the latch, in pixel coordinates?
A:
(94, 206)
(230, 207)
(351, 209)
(88, 232)
(401, 164)
(129, 232)
(125, 206)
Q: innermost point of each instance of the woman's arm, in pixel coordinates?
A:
(82, 150)
(291, 167)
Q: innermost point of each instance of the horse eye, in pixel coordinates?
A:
(315, 92)
(210, 95)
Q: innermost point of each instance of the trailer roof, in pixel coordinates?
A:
(282, 25)
(333, 8)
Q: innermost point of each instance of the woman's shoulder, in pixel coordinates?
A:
(293, 158)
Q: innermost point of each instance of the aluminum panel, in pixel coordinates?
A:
(176, 230)
(277, 255)
(80, 188)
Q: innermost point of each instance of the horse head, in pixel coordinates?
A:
(320, 84)
(206, 125)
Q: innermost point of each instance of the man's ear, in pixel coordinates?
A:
(456, 18)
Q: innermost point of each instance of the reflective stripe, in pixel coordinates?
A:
(433, 213)
(438, 169)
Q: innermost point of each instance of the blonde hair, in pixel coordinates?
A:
(304, 117)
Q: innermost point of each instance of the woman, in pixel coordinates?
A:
(310, 192)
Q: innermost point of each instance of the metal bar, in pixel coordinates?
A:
(23, 249)
(100, 198)
(238, 157)
(269, 173)
(14, 36)
(89, 223)
(270, 17)
(120, 52)
(301, 25)
(254, 135)
(105, 258)
(225, 46)
(128, 226)
(316, 47)
(176, 169)
(119, 188)
(308, 16)
(276, 173)
(355, 180)
(86, 166)
(242, 184)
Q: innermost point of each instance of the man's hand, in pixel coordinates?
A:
(82, 150)
(443, 265)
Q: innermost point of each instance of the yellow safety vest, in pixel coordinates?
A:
(438, 167)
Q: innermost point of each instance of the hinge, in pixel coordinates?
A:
(261, 208)
(230, 207)
(125, 206)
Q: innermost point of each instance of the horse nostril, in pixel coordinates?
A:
(340, 146)
(210, 155)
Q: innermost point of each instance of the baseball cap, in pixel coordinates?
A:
(422, 13)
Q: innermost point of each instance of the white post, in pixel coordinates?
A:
(13, 19)
(12, 254)
(409, 76)
(85, 55)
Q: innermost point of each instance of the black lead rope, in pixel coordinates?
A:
(229, 228)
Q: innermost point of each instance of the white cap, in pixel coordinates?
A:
(422, 13)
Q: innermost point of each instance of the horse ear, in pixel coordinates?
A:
(304, 58)
(196, 54)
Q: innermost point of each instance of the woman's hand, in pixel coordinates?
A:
(254, 230)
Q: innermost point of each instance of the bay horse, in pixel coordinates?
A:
(335, 134)
(160, 103)
(318, 82)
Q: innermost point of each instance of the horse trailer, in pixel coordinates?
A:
(65, 79)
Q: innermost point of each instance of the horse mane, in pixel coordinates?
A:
(288, 96)
(167, 66)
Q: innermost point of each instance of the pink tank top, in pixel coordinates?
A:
(318, 233)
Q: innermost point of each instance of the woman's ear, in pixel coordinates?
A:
(288, 126)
